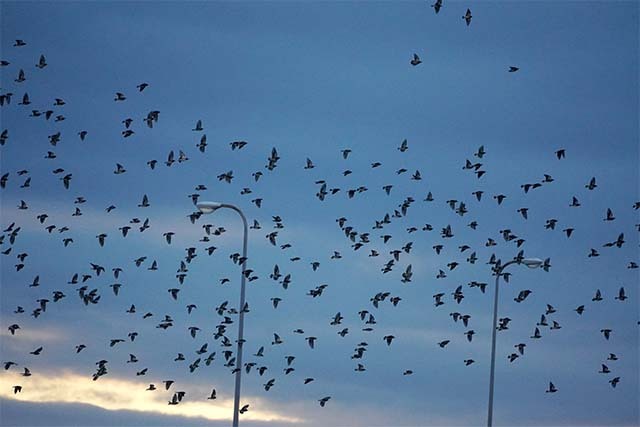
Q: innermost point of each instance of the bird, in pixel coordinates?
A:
(415, 61)
(324, 401)
(8, 365)
(21, 76)
(609, 215)
(443, 344)
(513, 69)
(311, 341)
(598, 296)
(119, 169)
(592, 184)
(621, 295)
(244, 409)
(552, 388)
(145, 202)
(467, 17)
(437, 6)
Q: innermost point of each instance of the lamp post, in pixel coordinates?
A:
(531, 263)
(207, 208)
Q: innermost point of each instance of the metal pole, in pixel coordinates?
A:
(236, 399)
(493, 343)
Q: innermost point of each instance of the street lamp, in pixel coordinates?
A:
(207, 208)
(531, 263)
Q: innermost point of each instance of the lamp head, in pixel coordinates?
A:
(532, 262)
(208, 207)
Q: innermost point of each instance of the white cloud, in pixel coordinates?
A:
(116, 394)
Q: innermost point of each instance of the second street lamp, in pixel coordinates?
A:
(531, 263)
(207, 208)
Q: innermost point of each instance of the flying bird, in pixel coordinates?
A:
(437, 5)
(467, 17)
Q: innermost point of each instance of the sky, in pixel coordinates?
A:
(311, 79)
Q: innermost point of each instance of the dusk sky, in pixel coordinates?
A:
(311, 79)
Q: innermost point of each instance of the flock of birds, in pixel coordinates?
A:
(359, 239)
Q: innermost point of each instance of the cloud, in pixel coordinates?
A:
(40, 335)
(116, 394)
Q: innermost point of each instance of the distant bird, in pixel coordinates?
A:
(21, 77)
(311, 341)
(309, 164)
(145, 202)
(609, 216)
(470, 334)
(552, 388)
(437, 5)
(415, 60)
(513, 69)
(536, 334)
(66, 180)
(598, 296)
(467, 17)
(174, 294)
(324, 401)
(278, 340)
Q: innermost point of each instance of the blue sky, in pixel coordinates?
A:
(312, 79)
